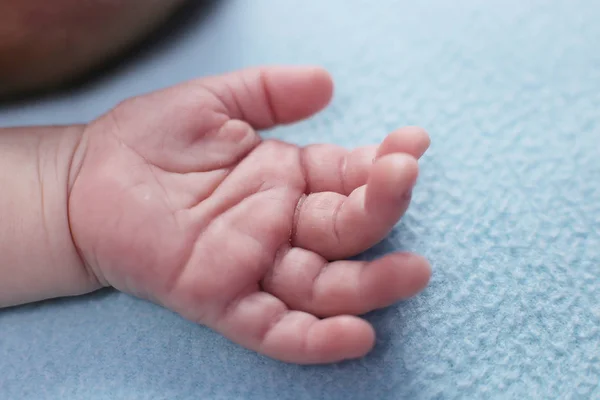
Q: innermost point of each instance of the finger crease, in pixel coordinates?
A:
(234, 301)
(268, 99)
(304, 170)
(277, 318)
(296, 218)
(311, 294)
(343, 171)
(334, 223)
(217, 97)
(270, 275)
(236, 101)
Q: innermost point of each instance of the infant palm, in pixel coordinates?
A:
(177, 199)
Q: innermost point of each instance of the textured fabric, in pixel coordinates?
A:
(507, 207)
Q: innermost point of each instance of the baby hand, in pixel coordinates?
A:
(176, 199)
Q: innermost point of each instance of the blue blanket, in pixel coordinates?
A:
(507, 207)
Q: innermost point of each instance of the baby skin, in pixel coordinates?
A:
(174, 197)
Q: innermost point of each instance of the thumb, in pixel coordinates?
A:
(268, 96)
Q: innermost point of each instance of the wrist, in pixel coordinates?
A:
(38, 256)
(76, 162)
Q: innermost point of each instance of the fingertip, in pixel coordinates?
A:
(360, 342)
(312, 76)
(389, 188)
(395, 171)
(418, 275)
(297, 92)
(341, 338)
(321, 78)
(394, 277)
(425, 143)
(414, 269)
(321, 81)
(412, 140)
(422, 139)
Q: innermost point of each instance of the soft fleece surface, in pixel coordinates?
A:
(507, 207)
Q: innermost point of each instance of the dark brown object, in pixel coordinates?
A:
(44, 44)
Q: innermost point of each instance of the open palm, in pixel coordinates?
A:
(176, 199)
